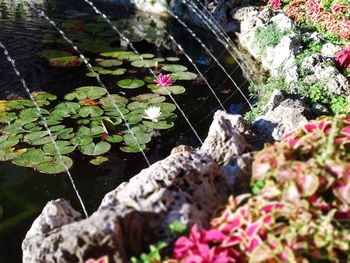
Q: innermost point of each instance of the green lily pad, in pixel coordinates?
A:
(166, 107)
(134, 148)
(7, 141)
(130, 83)
(92, 74)
(19, 104)
(81, 140)
(65, 134)
(32, 113)
(142, 138)
(144, 63)
(57, 128)
(93, 131)
(10, 153)
(14, 128)
(149, 98)
(42, 95)
(93, 149)
(31, 158)
(160, 125)
(133, 118)
(105, 72)
(88, 92)
(66, 62)
(64, 147)
(107, 63)
(135, 105)
(53, 120)
(183, 76)
(117, 54)
(114, 138)
(99, 160)
(149, 79)
(107, 101)
(7, 117)
(91, 111)
(55, 166)
(147, 55)
(172, 89)
(174, 68)
(118, 72)
(172, 59)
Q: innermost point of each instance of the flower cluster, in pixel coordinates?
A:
(331, 17)
(300, 210)
(342, 58)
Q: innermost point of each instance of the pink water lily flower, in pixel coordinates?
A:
(164, 80)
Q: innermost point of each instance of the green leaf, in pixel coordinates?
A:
(130, 83)
(31, 158)
(118, 72)
(7, 117)
(55, 166)
(32, 113)
(117, 99)
(172, 89)
(99, 160)
(19, 104)
(174, 68)
(91, 111)
(133, 118)
(132, 148)
(142, 138)
(64, 147)
(87, 92)
(107, 63)
(66, 134)
(144, 63)
(183, 76)
(160, 125)
(114, 138)
(149, 98)
(14, 128)
(177, 228)
(172, 59)
(81, 140)
(95, 149)
(10, 153)
(7, 141)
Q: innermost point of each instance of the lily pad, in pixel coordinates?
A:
(99, 160)
(66, 62)
(10, 153)
(107, 63)
(130, 83)
(144, 63)
(118, 72)
(55, 166)
(142, 138)
(172, 59)
(114, 138)
(14, 128)
(172, 89)
(81, 140)
(91, 111)
(93, 131)
(174, 68)
(19, 104)
(149, 98)
(31, 158)
(183, 76)
(7, 117)
(160, 125)
(64, 147)
(93, 149)
(92, 74)
(107, 101)
(88, 92)
(7, 141)
(134, 148)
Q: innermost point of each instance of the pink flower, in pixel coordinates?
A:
(164, 80)
(103, 259)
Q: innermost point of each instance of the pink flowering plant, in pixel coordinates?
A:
(163, 80)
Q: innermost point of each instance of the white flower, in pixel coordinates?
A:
(152, 113)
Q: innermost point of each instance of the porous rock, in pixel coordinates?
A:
(288, 116)
(225, 138)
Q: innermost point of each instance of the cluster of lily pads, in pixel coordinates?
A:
(88, 121)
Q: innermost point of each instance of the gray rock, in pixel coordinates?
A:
(329, 49)
(288, 116)
(243, 12)
(54, 215)
(224, 138)
(276, 98)
(283, 22)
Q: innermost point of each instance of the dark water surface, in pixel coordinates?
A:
(23, 191)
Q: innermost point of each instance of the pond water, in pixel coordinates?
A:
(24, 191)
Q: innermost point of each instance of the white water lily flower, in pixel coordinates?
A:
(152, 113)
